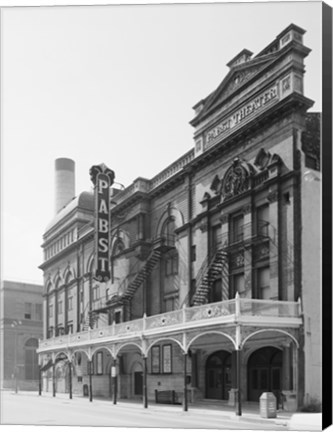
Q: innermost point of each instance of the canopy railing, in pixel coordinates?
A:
(226, 311)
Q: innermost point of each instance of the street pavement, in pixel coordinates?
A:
(27, 408)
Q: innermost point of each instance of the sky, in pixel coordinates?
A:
(114, 84)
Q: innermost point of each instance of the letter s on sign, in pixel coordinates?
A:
(103, 245)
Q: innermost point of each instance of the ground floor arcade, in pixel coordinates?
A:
(184, 356)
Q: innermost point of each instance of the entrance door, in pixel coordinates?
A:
(138, 384)
(218, 375)
(264, 372)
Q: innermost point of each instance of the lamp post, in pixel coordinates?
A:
(15, 324)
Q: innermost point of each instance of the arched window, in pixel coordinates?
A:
(170, 263)
(118, 266)
(118, 247)
(31, 359)
(168, 231)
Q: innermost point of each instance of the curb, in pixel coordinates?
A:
(245, 417)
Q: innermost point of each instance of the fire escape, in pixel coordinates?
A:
(128, 289)
(218, 265)
(209, 272)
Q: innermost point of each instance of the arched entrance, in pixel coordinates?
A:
(218, 375)
(264, 372)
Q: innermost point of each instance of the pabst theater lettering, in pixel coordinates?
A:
(241, 114)
(102, 177)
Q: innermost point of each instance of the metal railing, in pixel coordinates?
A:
(245, 233)
(227, 311)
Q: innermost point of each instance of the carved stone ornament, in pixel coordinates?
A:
(261, 251)
(262, 159)
(237, 260)
(286, 84)
(215, 186)
(272, 196)
(224, 218)
(237, 178)
(98, 169)
(203, 226)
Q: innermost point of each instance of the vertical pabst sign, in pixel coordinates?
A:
(102, 178)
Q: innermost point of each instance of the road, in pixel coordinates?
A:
(31, 409)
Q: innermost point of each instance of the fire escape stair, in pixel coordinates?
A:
(142, 275)
(215, 269)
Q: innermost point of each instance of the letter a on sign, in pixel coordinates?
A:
(102, 178)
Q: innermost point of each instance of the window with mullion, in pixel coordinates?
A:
(237, 228)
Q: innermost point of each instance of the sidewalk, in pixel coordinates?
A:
(250, 411)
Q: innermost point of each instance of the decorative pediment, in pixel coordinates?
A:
(236, 179)
(237, 76)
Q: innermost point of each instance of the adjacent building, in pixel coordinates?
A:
(21, 328)
(214, 263)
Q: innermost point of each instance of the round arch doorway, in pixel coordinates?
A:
(264, 372)
(218, 375)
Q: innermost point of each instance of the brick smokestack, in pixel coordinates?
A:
(64, 182)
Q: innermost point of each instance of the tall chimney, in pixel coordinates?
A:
(64, 182)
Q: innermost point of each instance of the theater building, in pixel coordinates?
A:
(209, 284)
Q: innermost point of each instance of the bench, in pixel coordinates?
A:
(166, 397)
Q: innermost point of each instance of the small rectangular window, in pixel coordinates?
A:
(262, 219)
(263, 281)
(70, 303)
(95, 292)
(27, 310)
(117, 317)
(51, 310)
(237, 228)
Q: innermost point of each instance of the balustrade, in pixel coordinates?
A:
(269, 308)
(164, 320)
(211, 310)
(219, 312)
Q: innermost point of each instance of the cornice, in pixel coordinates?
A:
(273, 59)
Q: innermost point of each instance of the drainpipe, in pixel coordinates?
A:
(78, 317)
(189, 238)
